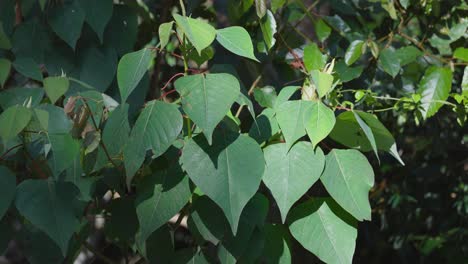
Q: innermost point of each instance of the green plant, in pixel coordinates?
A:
(81, 122)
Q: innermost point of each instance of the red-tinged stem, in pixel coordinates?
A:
(171, 79)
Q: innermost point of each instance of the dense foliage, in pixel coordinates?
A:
(254, 127)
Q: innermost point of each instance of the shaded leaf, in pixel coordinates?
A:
(8, 183)
(67, 20)
(5, 67)
(434, 87)
(28, 67)
(389, 62)
(14, 120)
(354, 52)
(98, 14)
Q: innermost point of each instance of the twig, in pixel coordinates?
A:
(9, 150)
(252, 87)
(97, 253)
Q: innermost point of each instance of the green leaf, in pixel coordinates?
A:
(264, 127)
(53, 119)
(289, 174)
(323, 82)
(67, 20)
(64, 150)
(200, 33)
(132, 67)
(277, 4)
(8, 183)
(346, 73)
(348, 132)
(160, 196)
(48, 205)
(206, 221)
(28, 67)
(319, 121)
(14, 120)
(354, 52)
(289, 116)
(265, 96)
(115, 136)
(165, 30)
(157, 127)
(277, 247)
(322, 30)
(261, 8)
(206, 98)
(97, 67)
(27, 32)
(464, 84)
(284, 95)
(5, 42)
(20, 95)
(122, 30)
(334, 238)
(313, 58)
(5, 67)
(236, 40)
(229, 171)
(98, 14)
(434, 87)
(389, 62)
(368, 132)
(55, 87)
(348, 177)
(269, 28)
(408, 54)
(461, 53)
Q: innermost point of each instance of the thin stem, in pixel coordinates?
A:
(97, 129)
(383, 109)
(85, 85)
(9, 150)
(171, 79)
(182, 7)
(189, 127)
(252, 87)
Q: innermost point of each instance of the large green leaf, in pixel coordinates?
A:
(13, 120)
(64, 150)
(55, 87)
(348, 177)
(206, 99)
(98, 14)
(236, 40)
(229, 171)
(313, 58)
(27, 32)
(322, 30)
(67, 20)
(200, 33)
(157, 127)
(290, 173)
(389, 62)
(290, 119)
(97, 67)
(5, 67)
(434, 87)
(8, 183)
(28, 67)
(407, 54)
(319, 121)
(160, 196)
(334, 234)
(49, 206)
(354, 51)
(132, 67)
(461, 53)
